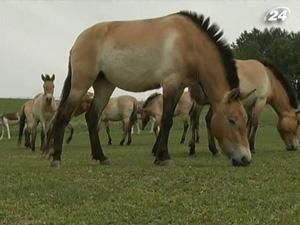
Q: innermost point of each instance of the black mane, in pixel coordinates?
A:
(284, 82)
(150, 98)
(215, 34)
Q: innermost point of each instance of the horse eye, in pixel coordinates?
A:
(231, 121)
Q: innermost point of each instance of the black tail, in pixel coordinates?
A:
(134, 116)
(21, 124)
(67, 86)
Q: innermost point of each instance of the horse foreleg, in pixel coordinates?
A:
(211, 140)
(5, 120)
(170, 99)
(185, 128)
(103, 90)
(107, 129)
(2, 131)
(194, 120)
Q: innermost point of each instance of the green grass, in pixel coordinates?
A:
(200, 190)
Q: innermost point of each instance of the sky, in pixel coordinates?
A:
(36, 36)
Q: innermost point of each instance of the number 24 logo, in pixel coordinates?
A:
(278, 14)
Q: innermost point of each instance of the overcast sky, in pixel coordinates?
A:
(36, 36)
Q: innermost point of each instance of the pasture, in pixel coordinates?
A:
(199, 190)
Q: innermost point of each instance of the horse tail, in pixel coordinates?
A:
(67, 86)
(21, 124)
(134, 115)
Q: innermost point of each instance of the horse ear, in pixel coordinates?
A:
(233, 95)
(43, 77)
(53, 77)
(247, 95)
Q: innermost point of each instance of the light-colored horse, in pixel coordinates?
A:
(43, 110)
(123, 108)
(171, 52)
(271, 87)
(6, 120)
(153, 107)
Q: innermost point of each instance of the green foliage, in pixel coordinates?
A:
(202, 190)
(275, 45)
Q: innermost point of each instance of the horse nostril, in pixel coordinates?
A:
(245, 161)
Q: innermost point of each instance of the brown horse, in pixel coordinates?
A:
(7, 119)
(271, 87)
(171, 52)
(123, 108)
(153, 107)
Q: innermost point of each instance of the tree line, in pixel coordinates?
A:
(276, 45)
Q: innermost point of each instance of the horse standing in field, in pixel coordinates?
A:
(29, 123)
(271, 87)
(43, 110)
(6, 120)
(153, 107)
(123, 108)
(173, 52)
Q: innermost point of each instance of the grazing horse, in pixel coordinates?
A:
(123, 108)
(271, 87)
(172, 52)
(6, 120)
(153, 107)
(43, 110)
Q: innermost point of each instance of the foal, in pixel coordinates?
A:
(43, 110)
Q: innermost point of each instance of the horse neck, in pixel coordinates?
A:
(279, 99)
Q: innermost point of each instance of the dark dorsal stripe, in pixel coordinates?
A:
(150, 98)
(215, 34)
(284, 82)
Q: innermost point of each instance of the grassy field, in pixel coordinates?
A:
(199, 190)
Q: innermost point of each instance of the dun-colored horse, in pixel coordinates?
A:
(271, 87)
(173, 52)
(153, 107)
(28, 122)
(123, 108)
(43, 110)
(6, 120)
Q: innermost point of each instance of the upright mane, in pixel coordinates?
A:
(215, 34)
(284, 82)
(150, 98)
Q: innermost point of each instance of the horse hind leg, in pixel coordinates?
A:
(107, 129)
(103, 90)
(185, 128)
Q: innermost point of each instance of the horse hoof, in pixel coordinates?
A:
(168, 163)
(56, 164)
(105, 162)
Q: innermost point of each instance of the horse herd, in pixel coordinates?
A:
(173, 52)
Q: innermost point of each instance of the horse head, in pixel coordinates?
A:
(48, 87)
